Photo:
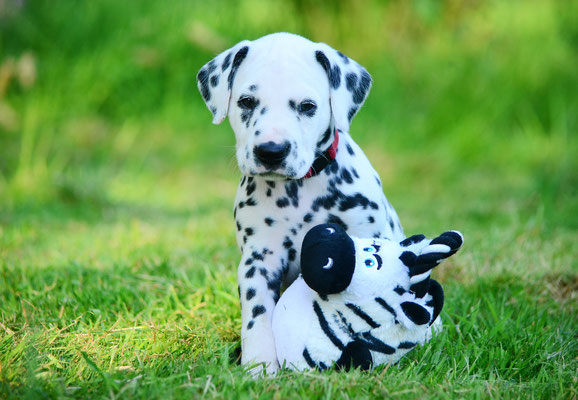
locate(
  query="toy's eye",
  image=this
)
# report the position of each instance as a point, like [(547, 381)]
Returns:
[(329, 263), (368, 249), (370, 262)]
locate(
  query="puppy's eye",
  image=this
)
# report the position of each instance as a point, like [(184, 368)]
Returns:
[(247, 102), (307, 107)]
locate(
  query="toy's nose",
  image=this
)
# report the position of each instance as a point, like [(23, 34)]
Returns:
[(272, 154), (327, 259)]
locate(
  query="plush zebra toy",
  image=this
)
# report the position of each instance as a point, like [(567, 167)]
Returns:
[(360, 302)]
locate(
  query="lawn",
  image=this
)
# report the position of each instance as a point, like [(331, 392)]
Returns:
[(117, 250)]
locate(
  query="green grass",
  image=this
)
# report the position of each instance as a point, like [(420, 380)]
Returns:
[(117, 250)]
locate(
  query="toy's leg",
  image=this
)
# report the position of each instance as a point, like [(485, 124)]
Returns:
[(427, 258), (355, 355), (437, 294)]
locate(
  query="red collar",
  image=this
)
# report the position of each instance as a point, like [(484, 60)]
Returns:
[(324, 159)]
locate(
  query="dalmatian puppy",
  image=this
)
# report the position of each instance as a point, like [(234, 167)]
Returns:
[(290, 102)]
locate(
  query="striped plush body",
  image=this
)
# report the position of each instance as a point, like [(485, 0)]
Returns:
[(360, 302)]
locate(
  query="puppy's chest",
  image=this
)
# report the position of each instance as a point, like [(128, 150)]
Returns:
[(270, 208)]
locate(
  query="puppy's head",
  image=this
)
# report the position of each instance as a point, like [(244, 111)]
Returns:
[(284, 96)]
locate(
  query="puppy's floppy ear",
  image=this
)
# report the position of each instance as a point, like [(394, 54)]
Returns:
[(349, 84), (216, 78)]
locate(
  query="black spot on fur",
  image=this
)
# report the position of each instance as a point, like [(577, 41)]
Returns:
[(325, 138), (351, 113), (407, 345), (287, 243), (226, 62), (252, 88), (351, 81), (263, 110), (333, 73), (308, 217), (292, 254), (257, 256), (349, 149), (346, 175), (264, 272), (251, 186), (203, 78), (257, 132), (239, 226), (364, 84), (258, 310), (343, 57), (357, 200), (292, 105), (334, 219), (239, 57), (251, 202), (250, 324), (292, 190), (249, 231), (214, 80), (250, 272), (333, 167), (269, 221), (371, 219), (251, 293), (282, 202)]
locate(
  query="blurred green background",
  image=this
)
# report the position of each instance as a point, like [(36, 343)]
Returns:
[(110, 169), (98, 104)]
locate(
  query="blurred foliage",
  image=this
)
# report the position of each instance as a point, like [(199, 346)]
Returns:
[(86, 86)]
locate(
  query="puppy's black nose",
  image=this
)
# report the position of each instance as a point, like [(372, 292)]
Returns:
[(272, 154)]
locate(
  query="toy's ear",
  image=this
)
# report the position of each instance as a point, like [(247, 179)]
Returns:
[(216, 78), (349, 84), (327, 259)]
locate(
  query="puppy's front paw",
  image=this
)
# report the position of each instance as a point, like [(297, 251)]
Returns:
[(259, 354), (263, 370)]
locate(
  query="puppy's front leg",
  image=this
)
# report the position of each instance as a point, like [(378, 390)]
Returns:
[(260, 275)]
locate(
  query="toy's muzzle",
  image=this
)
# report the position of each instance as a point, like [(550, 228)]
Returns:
[(327, 259)]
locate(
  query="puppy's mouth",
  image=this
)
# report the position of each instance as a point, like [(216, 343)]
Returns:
[(275, 176)]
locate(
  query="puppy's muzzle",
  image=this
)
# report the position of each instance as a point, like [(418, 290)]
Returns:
[(271, 155)]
